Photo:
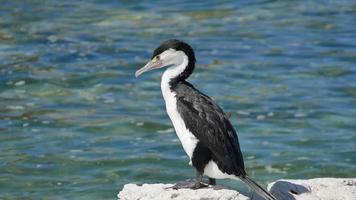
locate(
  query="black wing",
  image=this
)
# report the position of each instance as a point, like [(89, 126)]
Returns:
[(207, 121)]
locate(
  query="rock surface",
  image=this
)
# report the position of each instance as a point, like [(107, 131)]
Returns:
[(316, 189), (164, 191)]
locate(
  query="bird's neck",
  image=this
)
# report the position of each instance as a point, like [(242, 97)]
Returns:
[(173, 76)]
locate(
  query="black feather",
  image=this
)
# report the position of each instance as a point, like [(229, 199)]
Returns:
[(257, 188), (209, 124), (201, 157)]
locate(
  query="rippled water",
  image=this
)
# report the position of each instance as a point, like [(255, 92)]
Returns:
[(76, 124)]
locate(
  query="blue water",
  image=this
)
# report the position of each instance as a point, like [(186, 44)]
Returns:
[(76, 124)]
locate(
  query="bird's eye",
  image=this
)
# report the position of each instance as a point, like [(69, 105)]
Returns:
[(157, 57)]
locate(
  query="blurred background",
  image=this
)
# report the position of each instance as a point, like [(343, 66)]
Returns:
[(76, 124)]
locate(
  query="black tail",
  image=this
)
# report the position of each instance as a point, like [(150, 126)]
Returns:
[(257, 188)]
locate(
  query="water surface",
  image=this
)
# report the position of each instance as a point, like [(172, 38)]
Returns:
[(76, 124)]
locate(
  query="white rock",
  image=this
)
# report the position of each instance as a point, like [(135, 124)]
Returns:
[(163, 192), (314, 189)]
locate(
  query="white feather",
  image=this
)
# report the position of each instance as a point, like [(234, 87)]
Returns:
[(188, 140), (212, 170)]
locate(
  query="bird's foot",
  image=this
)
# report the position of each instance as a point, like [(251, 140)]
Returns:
[(189, 185)]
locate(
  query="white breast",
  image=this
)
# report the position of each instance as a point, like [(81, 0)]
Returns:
[(188, 140)]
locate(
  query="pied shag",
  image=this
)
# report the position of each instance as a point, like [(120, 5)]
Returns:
[(206, 134)]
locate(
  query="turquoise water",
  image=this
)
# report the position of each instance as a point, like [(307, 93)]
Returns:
[(76, 124)]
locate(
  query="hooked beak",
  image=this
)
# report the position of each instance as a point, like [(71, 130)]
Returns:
[(152, 64)]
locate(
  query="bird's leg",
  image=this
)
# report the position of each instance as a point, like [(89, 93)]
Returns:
[(212, 181), (192, 185), (199, 180)]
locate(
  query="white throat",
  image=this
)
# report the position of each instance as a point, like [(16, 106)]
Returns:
[(171, 73)]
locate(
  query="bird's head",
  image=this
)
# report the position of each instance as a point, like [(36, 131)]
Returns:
[(174, 54)]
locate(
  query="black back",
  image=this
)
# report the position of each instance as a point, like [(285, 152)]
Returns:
[(178, 46), (207, 121)]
